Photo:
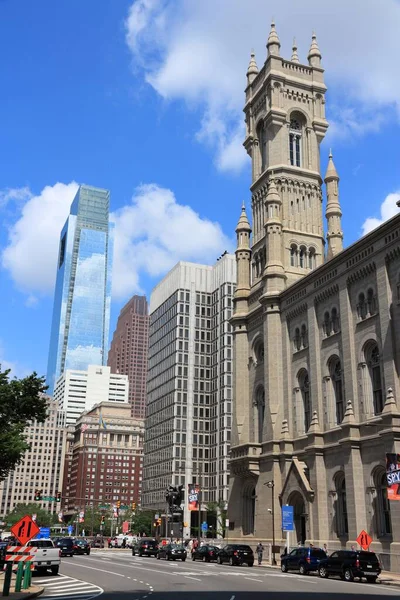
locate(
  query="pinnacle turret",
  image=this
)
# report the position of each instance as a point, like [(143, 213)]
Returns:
[(314, 54), (243, 223), (252, 71), (331, 172), (333, 211), (295, 56), (273, 43)]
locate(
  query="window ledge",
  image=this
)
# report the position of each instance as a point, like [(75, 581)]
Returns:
[(332, 335), (368, 318), (300, 350)]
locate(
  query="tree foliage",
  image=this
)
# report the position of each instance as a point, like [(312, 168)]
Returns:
[(43, 518), (20, 403)]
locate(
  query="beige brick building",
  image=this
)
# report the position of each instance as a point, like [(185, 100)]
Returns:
[(316, 333)]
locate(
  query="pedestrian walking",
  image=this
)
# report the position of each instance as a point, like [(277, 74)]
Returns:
[(325, 549), (260, 550)]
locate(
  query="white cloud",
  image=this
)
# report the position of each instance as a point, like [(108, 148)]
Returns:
[(82, 356), (388, 209), (31, 253), (198, 52), (14, 194), (152, 233)]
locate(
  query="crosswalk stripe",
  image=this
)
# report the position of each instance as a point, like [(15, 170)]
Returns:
[(58, 595)]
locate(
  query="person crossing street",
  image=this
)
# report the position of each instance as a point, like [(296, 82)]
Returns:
[(260, 550)]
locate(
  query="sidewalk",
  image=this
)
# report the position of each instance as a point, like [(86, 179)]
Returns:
[(385, 578), (32, 592)]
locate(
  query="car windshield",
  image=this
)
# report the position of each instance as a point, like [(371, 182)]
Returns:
[(245, 548), (177, 546), (318, 553)]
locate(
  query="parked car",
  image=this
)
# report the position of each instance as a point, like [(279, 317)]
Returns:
[(97, 542), (172, 552), (66, 546), (236, 554), (302, 559), (145, 547), (206, 553), (348, 564), (81, 546), (46, 556)]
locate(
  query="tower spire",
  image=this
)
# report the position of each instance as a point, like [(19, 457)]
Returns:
[(273, 43), (333, 211), (314, 54), (252, 70), (243, 259), (295, 56)]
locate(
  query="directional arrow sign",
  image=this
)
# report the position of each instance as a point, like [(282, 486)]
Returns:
[(25, 529)]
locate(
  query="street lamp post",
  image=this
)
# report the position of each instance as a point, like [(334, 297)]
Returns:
[(271, 485)]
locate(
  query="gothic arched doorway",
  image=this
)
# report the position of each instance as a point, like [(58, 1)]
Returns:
[(300, 517)]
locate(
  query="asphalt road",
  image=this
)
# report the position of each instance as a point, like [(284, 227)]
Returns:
[(124, 577)]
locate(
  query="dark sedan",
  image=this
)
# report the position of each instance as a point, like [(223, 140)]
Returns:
[(302, 559), (172, 552), (66, 546), (81, 547), (236, 554), (205, 553)]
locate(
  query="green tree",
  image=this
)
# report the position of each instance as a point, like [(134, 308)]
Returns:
[(219, 513), (43, 518), (142, 521), (20, 403)]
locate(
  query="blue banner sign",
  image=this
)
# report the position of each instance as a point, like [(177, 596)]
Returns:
[(287, 518)]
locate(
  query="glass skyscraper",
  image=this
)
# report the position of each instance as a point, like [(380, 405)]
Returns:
[(81, 313)]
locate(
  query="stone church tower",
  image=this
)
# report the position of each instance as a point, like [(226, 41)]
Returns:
[(293, 365)]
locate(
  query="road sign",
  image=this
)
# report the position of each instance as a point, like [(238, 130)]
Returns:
[(364, 540), (44, 532), (287, 518), (48, 498), (204, 526), (70, 529), (25, 529)]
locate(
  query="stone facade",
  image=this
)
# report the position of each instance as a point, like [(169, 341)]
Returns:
[(316, 333)]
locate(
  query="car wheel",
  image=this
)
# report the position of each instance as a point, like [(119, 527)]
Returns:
[(284, 568), (183, 559), (250, 564), (322, 572), (193, 557), (88, 552), (133, 553), (371, 579), (219, 561), (231, 561), (348, 575), (204, 558), (303, 570), (54, 570)]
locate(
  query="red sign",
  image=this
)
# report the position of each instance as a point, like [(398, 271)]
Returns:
[(364, 540), (125, 526), (193, 496), (25, 529)]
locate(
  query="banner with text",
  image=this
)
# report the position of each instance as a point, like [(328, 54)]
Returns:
[(193, 496), (393, 475)]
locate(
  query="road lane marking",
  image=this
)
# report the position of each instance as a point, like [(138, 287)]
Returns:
[(233, 598), (93, 568), (252, 579), (188, 577)]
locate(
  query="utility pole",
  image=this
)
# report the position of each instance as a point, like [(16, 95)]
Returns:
[(271, 485), (199, 497)]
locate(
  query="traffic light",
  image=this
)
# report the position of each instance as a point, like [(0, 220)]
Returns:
[(58, 497), (38, 495), (103, 519), (118, 504), (158, 521), (133, 505)]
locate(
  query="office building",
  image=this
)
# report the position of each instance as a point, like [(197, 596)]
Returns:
[(42, 466), (316, 333), (189, 394), (81, 311), (79, 391), (129, 349), (106, 458)]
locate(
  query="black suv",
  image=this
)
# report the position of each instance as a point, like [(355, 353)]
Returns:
[(66, 546), (81, 547), (302, 559), (348, 564), (145, 547), (236, 554)]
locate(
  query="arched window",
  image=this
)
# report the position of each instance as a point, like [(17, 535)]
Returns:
[(327, 324), (262, 140), (259, 351), (342, 526), (382, 506), (304, 336), (337, 383), (260, 414), (371, 303), (297, 340), (335, 320), (361, 306), (374, 366), (293, 255), (311, 258), (304, 385), (302, 257), (249, 509), (295, 142)]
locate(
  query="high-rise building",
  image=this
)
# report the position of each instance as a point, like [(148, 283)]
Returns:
[(189, 393), (106, 458), (42, 466), (81, 312), (316, 333), (78, 391), (129, 349)]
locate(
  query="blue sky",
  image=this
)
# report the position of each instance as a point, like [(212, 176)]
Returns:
[(144, 98)]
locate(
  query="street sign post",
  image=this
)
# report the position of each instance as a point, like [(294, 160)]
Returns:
[(364, 540), (287, 518), (204, 526), (25, 529)]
